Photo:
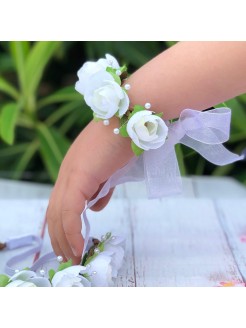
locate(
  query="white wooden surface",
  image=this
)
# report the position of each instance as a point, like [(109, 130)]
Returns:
[(193, 239)]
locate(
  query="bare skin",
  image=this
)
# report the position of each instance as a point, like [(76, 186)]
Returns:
[(193, 75)]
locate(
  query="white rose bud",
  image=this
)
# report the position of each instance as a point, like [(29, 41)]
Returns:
[(27, 278), (105, 96), (100, 270), (70, 277), (147, 131), (90, 68)]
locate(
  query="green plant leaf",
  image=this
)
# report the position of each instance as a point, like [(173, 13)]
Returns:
[(80, 117), (7, 88), (8, 120), (137, 150), (63, 95), (36, 62), (53, 147), (123, 131), (116, 77), (170, 43), (180, 158), (62, 111), (4, 280), (65, 265), (24, 160), (51, 273), (158, 114), (19, 51)]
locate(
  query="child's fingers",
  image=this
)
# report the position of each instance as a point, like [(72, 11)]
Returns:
[(71, 209), (101, 203)]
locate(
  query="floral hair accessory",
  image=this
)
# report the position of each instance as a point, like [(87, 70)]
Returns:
[(99, 265), (102, 85)]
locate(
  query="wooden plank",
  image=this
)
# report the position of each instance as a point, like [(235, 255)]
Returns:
[(23, 190), (19, 217), (218, 187), (180, 243), (232, 215)]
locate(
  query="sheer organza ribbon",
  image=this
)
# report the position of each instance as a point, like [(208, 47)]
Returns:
[(202, 131)]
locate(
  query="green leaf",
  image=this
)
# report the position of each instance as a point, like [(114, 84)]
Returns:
[(8, 118), (24, 160), (36, 62), (137, 150), (84, 259), (123, 68), (7, 88), (136, 108), (158, 114), (95, 118), (65, 265), (180, 158), (19, 51), (53, 147), (51, 273), (62, 111), (63, 95), (170, 43), (123, 131), (115, 76), (4, 280)]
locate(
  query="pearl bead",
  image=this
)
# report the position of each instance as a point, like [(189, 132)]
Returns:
[(113, 237), (97, 250), (118, 72), (147, 105), (94, 272), (127, 87), (17, 271), (42, 272), (116, 131), (59, 258), (106, 122)]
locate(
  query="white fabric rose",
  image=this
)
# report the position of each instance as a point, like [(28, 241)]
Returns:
[(114, 247), (90, 68), (100, 270), (27, 278), (147, 131), (70, 277), (105, 96)]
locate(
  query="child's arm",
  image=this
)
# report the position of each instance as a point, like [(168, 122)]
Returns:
[(194, 75)]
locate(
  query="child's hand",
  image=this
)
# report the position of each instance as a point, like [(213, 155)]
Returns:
[(93, 157)]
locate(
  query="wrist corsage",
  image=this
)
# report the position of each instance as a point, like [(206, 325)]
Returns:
[(103, 85)]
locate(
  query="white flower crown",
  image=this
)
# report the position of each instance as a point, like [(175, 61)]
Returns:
[(103, 86), (98, 268)]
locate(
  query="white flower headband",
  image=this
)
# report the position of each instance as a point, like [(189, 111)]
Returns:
[(102, 85)]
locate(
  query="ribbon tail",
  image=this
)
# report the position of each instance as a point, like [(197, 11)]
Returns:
[(162, 173), (216, 153)]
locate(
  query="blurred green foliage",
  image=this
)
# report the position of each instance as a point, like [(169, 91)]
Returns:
[(41, 113)]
